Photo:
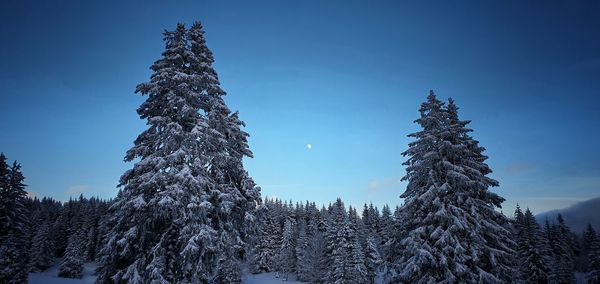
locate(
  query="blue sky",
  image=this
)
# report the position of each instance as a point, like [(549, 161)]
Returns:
[(345, 76)]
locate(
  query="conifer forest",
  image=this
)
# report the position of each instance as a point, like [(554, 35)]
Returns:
[(192, 204)]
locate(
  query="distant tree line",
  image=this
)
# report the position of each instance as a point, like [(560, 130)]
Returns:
[(300, 239), (326, 245), (36, 232)]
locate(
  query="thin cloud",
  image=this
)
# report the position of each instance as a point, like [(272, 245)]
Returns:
[(377, 185), (75, 189)]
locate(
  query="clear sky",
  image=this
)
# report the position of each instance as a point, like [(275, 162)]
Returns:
[(344, 76)]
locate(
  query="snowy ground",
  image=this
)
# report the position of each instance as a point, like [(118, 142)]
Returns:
[(267, 278), (50, 276)]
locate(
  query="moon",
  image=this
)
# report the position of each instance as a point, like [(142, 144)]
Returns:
[(309, 146)]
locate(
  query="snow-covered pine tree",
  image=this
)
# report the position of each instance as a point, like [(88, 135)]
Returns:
[(496, 249), (372, 258), (593, 255), (235, 195), (72, 263), (268, 245), (367, 220), (589, 236), (304, 266), (287, 255), (6, 208), (315, 220), (42, 211), (91, 221), (264, 252), (338, 273), (143, 243), (413, 258), (356, 269), (519, 220), (102, 229), (41, 252), (337, 253), (560, 243), (186, 207), (532, 249), (60, 231), (370, 216), (451, 230), (385, 231), (317, 246), (14, 262)]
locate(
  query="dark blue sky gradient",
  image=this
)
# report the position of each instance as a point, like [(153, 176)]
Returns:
[(346, 76)]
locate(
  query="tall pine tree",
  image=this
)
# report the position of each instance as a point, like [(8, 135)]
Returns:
[(533, 252), (14, 262), (41, 252), (72, 263), (287, 255), (373, 258), (357, 271), (451, 230), (303, 258), (561, 245), (186, 207)]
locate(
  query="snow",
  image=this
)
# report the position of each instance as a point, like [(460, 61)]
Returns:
[(268, 278), (50, 276)]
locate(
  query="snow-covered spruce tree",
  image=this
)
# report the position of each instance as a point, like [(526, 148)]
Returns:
[(6, 207), (60, 231), (588, 238), (102, 229), (235, 195), (561, 245), (385, 231), (532, 249), (593, 255), (264, 253), (371, 220), (357, 271), (185, 208), (451, 230), (337, 255), (370, 216), (72, 263), (519, 220), (14, 262), (316, 248), (287, 255), (142, 245), (91, 222), (372, 258), (304, 265), (41, 252), (367, 220)]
